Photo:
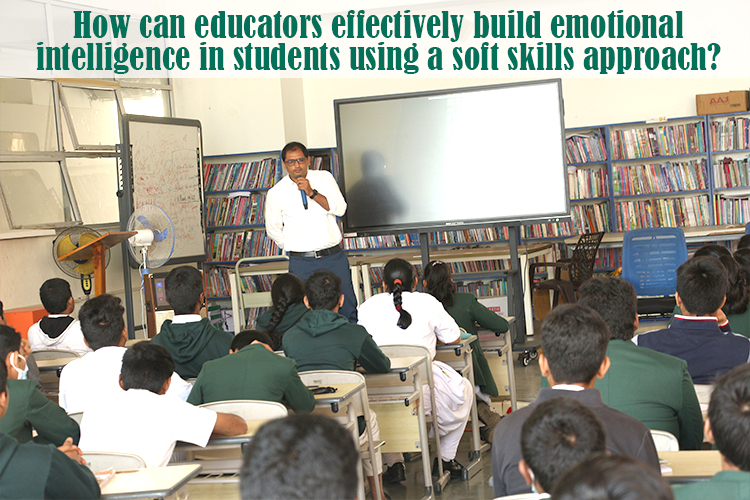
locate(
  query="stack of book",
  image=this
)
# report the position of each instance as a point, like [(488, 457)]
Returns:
[(239, 176), (668, 177), (650, 142)]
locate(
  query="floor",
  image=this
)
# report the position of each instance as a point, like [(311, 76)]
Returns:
[(477, 488)]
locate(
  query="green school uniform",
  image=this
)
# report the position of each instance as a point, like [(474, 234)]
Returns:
[(192, 344), (726, 485)]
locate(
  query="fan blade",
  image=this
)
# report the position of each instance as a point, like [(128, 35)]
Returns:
[(161, 235), (65, 246), (86, 238), (145, 222), (85, 268)]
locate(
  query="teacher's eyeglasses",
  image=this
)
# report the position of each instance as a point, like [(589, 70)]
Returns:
[(298, 161)]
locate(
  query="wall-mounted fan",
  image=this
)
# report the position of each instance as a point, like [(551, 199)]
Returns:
[(153, 245), (67, 241)]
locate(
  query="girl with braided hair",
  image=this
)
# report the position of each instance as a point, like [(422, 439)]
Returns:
[(287, 294), (402, 316)]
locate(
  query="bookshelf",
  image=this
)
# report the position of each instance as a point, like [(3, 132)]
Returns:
[(730, 150)]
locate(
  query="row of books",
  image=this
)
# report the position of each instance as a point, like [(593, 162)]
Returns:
[(730, 134), (436, 238), (326, 162), (584, 148), (670, 212), (668, 177), (587, 183), (608, 258), (666, 140), (236, 210), (238, 176), (731, 210), (384, 241), (731, 173), (217, 282), (493, 288), (224, 247), (548, 230)]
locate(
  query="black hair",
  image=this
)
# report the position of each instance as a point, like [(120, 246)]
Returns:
[(574, 341), (300, 457), (3, 378), (742, 256), (737, 292), (398, 277), (102, 321), (2, 311), (323, 290), (10, 341), (55, 294), (437, 276), (702, 284), (611, 477), (146, 365), (294, 146), (729, 416), (616, 302), (744, 242), (286, 290), (183, 286), (558, 435), (247, 337)]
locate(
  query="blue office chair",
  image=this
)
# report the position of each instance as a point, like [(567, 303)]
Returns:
[(747, 228), (650, 258)]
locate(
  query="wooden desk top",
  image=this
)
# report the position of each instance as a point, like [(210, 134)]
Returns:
[(153, 482), (48, 365), (461, 344), (402, 365), (691, 465), (344, 392), (692, 235), (496, 251)]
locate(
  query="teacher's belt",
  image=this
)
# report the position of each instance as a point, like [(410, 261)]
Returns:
[(318, 253)]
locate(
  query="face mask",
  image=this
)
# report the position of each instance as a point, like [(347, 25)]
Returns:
[(533, 482), (22, 374)]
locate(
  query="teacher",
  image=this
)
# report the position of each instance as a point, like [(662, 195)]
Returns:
[(301, 211)]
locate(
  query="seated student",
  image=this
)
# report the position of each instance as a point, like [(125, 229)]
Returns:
[(742, 321), (574, 345), (695, 335), (142, 419), (29, 409), (25, 350), (325, 340), (190, 339), (558, 435), (300, 457), (252, 371), (727, 426), (83, 381), (744, 242), (401, 316), (468, 311), (40, 471), (652, 387), (57, 330), (287, 294), (616, 477)]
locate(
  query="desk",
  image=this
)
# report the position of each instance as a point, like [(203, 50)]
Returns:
[(54, 364), (698, 234), (497, 350), (691, 465), (153, 482)]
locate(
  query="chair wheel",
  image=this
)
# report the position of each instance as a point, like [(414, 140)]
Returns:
[(533, 354), (525, 359)]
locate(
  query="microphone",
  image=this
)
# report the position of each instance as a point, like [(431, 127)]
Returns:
[(304, 198)]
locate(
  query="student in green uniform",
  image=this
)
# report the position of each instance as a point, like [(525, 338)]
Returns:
[(252, 371), (742, 321), (40, 471), (467, 311), (727, 426), (190, 339), (287, 295), (28, 406)]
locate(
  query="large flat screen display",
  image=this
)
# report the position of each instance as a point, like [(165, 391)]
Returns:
[(453, 158)]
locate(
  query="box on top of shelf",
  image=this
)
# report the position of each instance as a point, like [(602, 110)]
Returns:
[(722, 102)]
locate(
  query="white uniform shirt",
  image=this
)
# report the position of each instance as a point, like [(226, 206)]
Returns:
[(85, 381), (295, 229), (429, 320), (145, 424), (69, 340)]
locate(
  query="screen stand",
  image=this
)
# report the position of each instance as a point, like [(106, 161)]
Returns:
[(515, 288), (424, 248)]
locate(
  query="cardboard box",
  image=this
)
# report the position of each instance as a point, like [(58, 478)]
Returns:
[(723, 102)]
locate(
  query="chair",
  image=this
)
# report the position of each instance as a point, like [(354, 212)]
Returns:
[(665, 441), (747, 228), (54, 354), (650, 258), (77, 416), (703, 391), (102, 460), (580, 267), (249, 409)]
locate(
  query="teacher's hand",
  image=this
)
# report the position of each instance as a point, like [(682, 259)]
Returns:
[(304, 185)]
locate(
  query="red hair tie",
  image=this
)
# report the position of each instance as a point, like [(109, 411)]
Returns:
[(397, 281), (398, 308)]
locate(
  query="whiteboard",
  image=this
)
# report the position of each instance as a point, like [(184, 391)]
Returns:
[(162, 166)]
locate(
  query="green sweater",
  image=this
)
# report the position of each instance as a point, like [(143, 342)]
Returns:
[(27, 408), (253, 372), (325, 340), (726, 485), (192, 344), (468, 311), (291, 317)]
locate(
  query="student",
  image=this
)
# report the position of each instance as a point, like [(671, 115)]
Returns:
[(742, 321), (574, 345), (29, 409), (142, 419), (33, 373), (252, 371), (190, 339), (325, 340), (468, 311), (558, 435), (727, 426), (401, 316), (652, 387), (84, 381), (695, 335), (616, 477), (300, 457), (58, 330), (40, 471), (744, 242), (287, 294)]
